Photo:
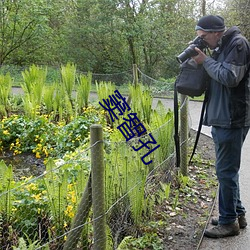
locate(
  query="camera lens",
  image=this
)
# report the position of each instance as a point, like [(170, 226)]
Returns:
[(187, 53), (190, 51)]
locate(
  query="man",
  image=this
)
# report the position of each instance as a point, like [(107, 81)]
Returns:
[(228, 112)]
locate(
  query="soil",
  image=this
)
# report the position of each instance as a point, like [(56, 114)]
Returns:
[(187, 222), (25, 164)]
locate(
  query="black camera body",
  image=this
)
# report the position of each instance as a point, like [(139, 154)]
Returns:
[(190, 51)]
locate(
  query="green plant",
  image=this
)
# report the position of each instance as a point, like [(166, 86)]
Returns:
[(43, 137), (62, 104), (48, 98), (23, 134), (147, 241), (56, 188), (162, 125), (104, 89), (6, 184), (28, 244), (5, 90), (62, 185), (34, 81), (83, 91), (30, 208), (65, 181), (23, 246), (176, 199), (125, 178), (164, 191), (58, 102), (68, 74), (141, 102), (136, 179), (184, 181)]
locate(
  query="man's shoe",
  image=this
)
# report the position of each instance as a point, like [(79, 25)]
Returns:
[(221, 231), (241, 219)]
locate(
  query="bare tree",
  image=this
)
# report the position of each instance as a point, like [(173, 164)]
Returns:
[(20, 22)]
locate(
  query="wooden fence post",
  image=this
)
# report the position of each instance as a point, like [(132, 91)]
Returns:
[(135, 74), (98, 195)]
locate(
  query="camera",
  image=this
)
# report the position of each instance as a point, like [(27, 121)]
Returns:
[(190, 51)]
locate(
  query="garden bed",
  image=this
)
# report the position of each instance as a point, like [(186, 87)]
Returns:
[(178, 222), (186, 224)]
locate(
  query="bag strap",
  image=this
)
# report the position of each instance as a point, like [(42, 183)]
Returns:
[(199, 127), (176, 126)]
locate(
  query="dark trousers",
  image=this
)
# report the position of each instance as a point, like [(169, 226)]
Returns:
[(228, 145)]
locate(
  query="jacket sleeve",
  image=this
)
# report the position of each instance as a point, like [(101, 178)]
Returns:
[(234, 66)]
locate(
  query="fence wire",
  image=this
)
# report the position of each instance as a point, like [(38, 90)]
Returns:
[(39, 213)]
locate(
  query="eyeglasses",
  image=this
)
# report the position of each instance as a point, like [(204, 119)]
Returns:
[(203, 36)]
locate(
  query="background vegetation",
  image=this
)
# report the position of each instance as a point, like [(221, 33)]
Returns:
[(97, 36), (103, 36)]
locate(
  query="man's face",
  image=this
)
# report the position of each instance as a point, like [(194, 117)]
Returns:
[(211, 38)]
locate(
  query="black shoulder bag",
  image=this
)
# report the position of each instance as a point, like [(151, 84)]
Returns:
[(191, 81)]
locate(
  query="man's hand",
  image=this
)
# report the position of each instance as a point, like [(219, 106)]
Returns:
[(200, 58)]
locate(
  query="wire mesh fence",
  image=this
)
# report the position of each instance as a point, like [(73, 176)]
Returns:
[(56, 209)]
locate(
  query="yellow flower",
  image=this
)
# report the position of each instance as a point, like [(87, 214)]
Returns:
[(45, 151), (31, 187), (6, 132), (38, 156), (14, 209), (73, 199), (69, 211), (16, 152), (37, 196)]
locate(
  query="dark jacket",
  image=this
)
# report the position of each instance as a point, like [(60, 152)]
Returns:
[(228, 103)]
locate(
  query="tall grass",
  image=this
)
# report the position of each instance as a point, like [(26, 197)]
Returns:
[(33, 86), (5, 90), (162, 123), (48, 98), (104, 89), (125, 176), (83, 91), (141, 102), (68, 74), (6, 197)]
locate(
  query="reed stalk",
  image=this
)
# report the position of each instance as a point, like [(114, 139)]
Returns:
[(68, 74), (33, 86), (83, 91), (5, 90)]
